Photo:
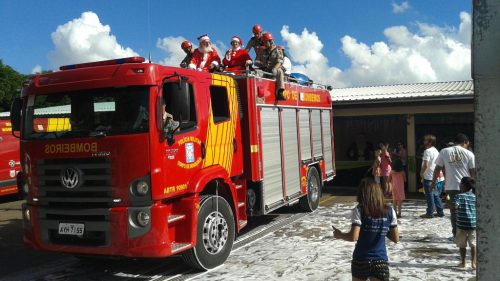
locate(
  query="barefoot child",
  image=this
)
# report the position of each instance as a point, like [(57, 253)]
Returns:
[(465, 208), (372, 221), (397, 180)]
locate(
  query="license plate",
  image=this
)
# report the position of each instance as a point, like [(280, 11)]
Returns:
[(71, 228)]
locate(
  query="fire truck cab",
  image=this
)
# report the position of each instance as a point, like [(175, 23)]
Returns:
[(9, 157), (145, 160)]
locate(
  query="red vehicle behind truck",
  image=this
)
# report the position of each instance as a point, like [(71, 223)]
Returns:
[(114, 177), (9, 157)]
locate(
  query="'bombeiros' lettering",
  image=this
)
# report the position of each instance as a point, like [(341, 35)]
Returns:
[(71, 148)]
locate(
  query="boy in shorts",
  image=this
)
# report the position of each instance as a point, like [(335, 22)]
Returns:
[(465, 208)]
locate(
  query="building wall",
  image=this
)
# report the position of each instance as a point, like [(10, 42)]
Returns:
[(406, 123)]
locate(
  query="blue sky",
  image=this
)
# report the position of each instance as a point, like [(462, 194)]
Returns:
[(26, 27)]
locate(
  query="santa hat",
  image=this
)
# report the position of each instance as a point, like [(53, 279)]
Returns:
[(236, 38), (203, 37)]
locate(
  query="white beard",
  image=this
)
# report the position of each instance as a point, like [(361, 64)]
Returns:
[(205, 50)]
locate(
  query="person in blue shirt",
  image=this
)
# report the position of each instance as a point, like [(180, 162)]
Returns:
[(372, 222), (465, 210)]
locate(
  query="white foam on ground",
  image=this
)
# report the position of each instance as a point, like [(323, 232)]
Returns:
[(306, 250)]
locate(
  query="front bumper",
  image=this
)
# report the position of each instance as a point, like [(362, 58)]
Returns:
[(112, 232)]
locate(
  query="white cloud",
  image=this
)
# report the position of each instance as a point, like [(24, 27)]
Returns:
[(400, 8), (36, 69), (305, 51), (85, 39), (432, 53), (172, 46)]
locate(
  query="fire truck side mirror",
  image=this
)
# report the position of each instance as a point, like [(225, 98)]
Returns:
[(15, 114)]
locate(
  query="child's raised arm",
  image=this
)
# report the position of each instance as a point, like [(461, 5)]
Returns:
[(350, 236)]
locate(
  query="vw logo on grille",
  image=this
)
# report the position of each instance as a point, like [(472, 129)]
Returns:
[(70, 178)]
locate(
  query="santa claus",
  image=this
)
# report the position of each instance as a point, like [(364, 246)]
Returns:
[(205, 58), (237, 58)]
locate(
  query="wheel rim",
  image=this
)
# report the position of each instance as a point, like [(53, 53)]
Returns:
[(215, 233), (313, 188)]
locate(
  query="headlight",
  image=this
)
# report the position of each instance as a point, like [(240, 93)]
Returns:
[(142, 188), (27, 214), (143, 218)]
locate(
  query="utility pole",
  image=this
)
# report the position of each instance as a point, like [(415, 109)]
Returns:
[(486, 75)]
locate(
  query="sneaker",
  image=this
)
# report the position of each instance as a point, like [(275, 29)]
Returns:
[(439, 215), (426, 216), (451, 239)]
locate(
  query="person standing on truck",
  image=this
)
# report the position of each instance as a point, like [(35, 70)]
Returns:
[(205, 57), (236, 59), (257, 45), (187, 47), (273, 63)]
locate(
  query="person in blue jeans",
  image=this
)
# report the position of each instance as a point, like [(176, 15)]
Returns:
[(426, 172), (372, 222)]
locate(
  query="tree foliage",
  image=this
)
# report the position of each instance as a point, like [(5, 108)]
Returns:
[(10, 84)]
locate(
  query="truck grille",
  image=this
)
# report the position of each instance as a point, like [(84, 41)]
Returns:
[(87, 203), (93, 190)]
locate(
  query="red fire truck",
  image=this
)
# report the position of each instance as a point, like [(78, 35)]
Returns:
[(9, 157), (147, 160)]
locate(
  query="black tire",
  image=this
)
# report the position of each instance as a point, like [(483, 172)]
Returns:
[(310, 202), (212, 247)]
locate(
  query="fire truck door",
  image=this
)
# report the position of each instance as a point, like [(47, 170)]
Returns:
[(183, 157)]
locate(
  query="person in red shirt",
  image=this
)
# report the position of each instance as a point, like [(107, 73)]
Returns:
[(385, 165), (237, 58), (205, 57)]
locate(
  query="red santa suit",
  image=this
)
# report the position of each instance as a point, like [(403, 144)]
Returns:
[(235, 60), (203, 58)]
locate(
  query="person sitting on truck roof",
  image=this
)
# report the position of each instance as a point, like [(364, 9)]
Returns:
[(205, 57), (236, 59), (187, 47), (273, 62), (257, 44), (287, 63)]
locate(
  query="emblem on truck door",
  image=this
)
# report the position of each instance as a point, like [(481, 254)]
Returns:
[(70, 178)]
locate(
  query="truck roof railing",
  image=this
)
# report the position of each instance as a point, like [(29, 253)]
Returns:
[(255, 72), (104, 62)]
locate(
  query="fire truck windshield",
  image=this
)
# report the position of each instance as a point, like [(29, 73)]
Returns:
[(90, 113)]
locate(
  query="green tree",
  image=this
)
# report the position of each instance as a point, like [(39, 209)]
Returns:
[(10, 84)]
